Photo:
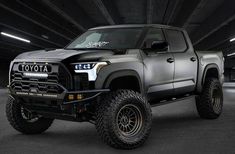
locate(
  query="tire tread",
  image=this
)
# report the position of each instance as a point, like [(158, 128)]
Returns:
[(107, 106), (12, 113), (203, 102)]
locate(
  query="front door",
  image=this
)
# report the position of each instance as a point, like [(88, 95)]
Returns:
[(159, 69)]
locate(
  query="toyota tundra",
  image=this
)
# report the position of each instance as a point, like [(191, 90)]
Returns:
[(111, 76)]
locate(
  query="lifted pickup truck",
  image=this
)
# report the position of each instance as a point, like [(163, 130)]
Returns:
[(111, 76)]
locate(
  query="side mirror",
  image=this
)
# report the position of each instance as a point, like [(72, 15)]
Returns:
[(160, 45)]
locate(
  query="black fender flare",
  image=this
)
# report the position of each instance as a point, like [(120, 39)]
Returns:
[(209, 66), (124, 73)]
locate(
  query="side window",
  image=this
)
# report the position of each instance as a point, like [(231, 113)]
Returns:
[(154, 34), (176, 41)]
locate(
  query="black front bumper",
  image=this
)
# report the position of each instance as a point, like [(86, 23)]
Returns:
[(87, 95)]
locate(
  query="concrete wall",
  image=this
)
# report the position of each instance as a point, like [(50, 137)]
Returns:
[(4, 66), (229, 72)]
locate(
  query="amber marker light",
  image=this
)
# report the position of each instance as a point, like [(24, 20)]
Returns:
[(70, 97), (79, 96)]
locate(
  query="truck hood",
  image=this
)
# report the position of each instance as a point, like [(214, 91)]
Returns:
[(62, 54)]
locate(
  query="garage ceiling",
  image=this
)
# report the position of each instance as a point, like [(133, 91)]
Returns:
[(54, 23)]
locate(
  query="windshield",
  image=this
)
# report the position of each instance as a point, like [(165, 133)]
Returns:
[(110, 38)]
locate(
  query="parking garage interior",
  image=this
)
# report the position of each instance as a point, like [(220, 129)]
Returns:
[(49, 24)]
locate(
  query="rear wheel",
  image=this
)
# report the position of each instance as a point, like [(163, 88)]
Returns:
[(210, 102), (124, 119), (25, 121)]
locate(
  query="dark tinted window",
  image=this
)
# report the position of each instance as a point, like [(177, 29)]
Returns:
[(154, 34), (176, 41)]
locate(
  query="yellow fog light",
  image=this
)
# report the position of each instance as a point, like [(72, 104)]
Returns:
[(71, 97), (79, 96)]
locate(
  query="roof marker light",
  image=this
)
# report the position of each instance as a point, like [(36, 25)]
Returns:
[(15, 37)]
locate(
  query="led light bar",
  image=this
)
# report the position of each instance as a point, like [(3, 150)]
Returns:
[(233, 39), (15, 37), (40, 75)]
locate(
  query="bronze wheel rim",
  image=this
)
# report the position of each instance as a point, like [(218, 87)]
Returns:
[(216, 100), (28, 116), (129, 120)]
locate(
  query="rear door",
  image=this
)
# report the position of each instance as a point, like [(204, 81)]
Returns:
[(185, 62)]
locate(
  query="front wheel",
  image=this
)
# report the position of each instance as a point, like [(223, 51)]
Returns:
[(25, 121), (210, 102), (124, 119)]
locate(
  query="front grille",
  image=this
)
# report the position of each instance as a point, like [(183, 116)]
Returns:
[(59, 75), (25, 84)]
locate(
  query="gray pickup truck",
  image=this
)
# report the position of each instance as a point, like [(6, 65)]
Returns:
[(111, 76)]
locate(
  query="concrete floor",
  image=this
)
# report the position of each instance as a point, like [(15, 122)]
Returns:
[(176, 129)]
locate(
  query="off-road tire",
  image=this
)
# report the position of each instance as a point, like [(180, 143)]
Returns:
[(108, 111), (210, 102), (14, 116)]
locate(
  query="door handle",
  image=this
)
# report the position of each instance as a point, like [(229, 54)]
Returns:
[(193, 59), (170, 60)]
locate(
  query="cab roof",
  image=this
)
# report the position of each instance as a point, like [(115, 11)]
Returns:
[(138, 25)]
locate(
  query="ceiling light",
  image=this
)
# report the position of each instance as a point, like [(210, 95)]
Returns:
[(45, 36), (233, 39), (231, 54), (15, 37)]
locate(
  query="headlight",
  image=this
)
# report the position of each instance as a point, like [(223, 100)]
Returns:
[(91, 68), (84, 66)]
